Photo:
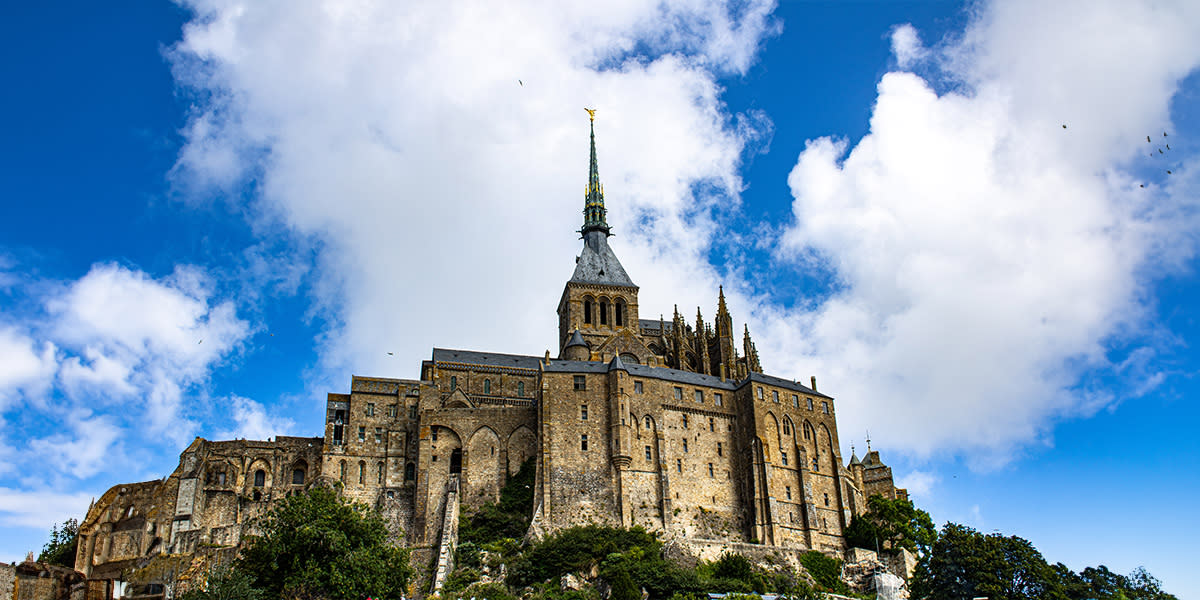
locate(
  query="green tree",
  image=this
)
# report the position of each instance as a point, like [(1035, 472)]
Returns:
[(60, 550), (892, 524), (319, 545), (225, 583), (964, 563)]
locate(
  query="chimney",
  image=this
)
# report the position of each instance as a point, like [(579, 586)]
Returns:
[(814, 383)]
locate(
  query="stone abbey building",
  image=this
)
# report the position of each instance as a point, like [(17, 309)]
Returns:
[(670, 425)]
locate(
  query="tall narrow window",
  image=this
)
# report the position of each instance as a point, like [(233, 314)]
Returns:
[(760, 393), (487, 386), (342, 471), (378, 435), (783, 455), (583, 412), (379, 472), (699, 396), (775, 396), (637, 387), (583, 442), (809, 403), (679, 465), (816, 465), (604, 312), (647, 452), (391, 410), (260, 478), (796, 401), (719, 449), (685, 445), (433, 433), (825, 407), (362, 434), (587, 312), (521, 389), (710, 470), (788, 489), (619, 312), (826, 499), (718, 400), (412, 411), (370, 409), (649, 423), (453, 383), (685, 421), (362, 472), (787, 427), (712, 425), (410, 472)]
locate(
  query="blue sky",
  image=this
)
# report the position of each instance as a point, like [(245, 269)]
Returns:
[(214, 213)]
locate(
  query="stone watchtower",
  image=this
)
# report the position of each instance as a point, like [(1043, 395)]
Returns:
[(599, 301)]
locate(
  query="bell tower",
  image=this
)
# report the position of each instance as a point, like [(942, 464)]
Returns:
[(599, 301)]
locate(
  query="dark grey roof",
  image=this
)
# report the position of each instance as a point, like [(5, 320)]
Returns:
[(598, 264), (491, 359), (616, 365), (783, 383), (653, 324), (854, 459), (576, 340)]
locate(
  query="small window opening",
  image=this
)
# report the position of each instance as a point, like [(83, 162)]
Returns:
[(619, 312), (521, 389), (678, 393), (603, 312), (379, 473), (649, 423), (712, 424), (362, 472), (637, 387), (583, 442), (580, 383), (487, 386), (788, 489), (453, 382), (297, 476), (710, 470), (685, 445), (719, 449), (370, 409), (647, 452), (679, 465), (583, 412), (410, 472), (260, 478), (587, 312), (718, 400)]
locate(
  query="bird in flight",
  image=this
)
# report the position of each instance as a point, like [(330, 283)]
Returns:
[(1147, 139), (1064, 125), (521, 82), (389, 354)]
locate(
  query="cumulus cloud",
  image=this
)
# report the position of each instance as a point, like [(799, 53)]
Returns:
[(989, 242), (26, 367), (906, 46), (137, 336), (439, 154), (251, 421)]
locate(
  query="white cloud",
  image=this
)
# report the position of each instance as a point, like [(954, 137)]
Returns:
[(253, 423), (26, 367), (906, 46), (918, 483), (443, 190), (986, 255), (84, 445), (39, 508), (145, 337)]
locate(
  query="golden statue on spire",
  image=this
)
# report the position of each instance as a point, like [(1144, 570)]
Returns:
[(591, 114)]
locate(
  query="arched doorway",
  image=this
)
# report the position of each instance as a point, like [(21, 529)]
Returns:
[(456, 461)]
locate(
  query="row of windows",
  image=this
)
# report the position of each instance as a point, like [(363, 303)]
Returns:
[(362, 434), (603, 316), (410, 473), (487, 386), (795, 400)]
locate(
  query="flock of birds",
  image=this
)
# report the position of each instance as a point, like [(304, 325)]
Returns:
[(1165, 146)]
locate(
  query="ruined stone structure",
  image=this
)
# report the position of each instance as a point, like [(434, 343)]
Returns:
[(662, 424)]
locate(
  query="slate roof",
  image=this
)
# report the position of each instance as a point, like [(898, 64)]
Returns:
[(598, 264), (576, 340), (491, 359)]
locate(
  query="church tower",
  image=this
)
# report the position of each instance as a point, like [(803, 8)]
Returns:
[(599, 301)]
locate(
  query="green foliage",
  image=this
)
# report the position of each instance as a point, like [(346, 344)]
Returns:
[(60, 550), (225, 583), (966, 563), (459, 579), (891, 524), (467, 555), (508, 518), (825, 571), (317, 544)]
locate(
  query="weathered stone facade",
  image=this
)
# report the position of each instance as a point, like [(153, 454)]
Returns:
[(635, 422)]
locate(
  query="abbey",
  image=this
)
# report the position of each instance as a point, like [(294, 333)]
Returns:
[(669, 425)]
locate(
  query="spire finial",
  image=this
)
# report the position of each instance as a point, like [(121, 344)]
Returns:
[(868, 440), (594, 212)]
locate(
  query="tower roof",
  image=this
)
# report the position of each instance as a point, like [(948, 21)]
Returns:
[(576, 340), (597, 263)]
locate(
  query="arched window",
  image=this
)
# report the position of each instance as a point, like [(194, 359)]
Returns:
[(362, 472), (604, 312), (521, 388), (410, 472), (260, 478), (453, 383), (487, 386), (587, 311), (619, 312), (787, 427), (298, 475)]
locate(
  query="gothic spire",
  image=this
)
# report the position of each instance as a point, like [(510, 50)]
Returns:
[(594, 212)]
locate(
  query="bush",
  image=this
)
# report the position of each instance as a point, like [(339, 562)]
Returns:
[(225, 583), (825, 571), (507, 518)]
